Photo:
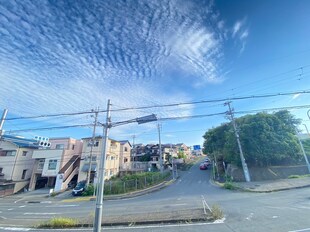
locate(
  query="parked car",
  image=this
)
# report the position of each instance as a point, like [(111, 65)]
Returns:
[(203, 166), (207, 160), (79, 188)]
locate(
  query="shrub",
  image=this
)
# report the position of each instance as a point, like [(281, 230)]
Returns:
[(59, 222), (216, 212), (89, 190), (229, 185), (293, 176)]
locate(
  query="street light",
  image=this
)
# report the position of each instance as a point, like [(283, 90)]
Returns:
[(106, 127)]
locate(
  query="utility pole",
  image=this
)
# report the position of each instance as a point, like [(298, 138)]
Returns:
[(99, 199), (5, 112), (244, 165), (303, 150), (172, 161), (160, 152), (133, 153), (91, 149), (307, 129)]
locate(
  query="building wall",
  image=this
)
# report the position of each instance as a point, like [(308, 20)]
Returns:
[(125, 151), (23, 163), (13, 167), (7, 162), (111, 162)]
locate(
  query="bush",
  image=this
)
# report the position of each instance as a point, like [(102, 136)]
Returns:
[(59, 222), (216, 212), (89, 190), (293, 176), (229, 185)]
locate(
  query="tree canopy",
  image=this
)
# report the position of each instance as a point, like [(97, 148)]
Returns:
[(266, 139)]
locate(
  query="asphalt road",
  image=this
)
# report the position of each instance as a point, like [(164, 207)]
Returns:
[(278, 211)]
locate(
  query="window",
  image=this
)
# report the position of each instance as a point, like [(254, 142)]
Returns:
[(111, 172), (112, 157), (125, 160), (41, 164), (73, 146), (24, 174), (60, 146), (1, 169), (125, 149), (106, 173), (25, 153), (96, 143), (7, 153), (52, 164)]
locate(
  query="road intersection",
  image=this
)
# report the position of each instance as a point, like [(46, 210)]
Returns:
[(244, 211)]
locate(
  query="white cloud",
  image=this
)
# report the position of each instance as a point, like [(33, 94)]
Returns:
[(236, 28), (55, 58), (296, 96)]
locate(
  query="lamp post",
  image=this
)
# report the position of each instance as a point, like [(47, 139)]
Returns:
[(106, 127)]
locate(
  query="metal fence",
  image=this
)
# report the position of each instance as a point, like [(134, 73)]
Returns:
[(125, 186)]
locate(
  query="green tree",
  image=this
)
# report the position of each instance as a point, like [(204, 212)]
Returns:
[(266, 139)]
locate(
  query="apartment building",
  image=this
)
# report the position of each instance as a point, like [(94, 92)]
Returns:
[(57, 165), (93, 149), (16, 163), (125, 155)]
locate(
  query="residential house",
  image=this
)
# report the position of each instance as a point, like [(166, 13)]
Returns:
[(182, 148), (57, 165), (93, 149), (125, 152), (16, 163)]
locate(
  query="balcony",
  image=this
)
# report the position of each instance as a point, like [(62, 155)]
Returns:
[(47, 153)]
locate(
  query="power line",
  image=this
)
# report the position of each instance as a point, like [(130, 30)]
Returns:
[(177, 118), (169, 105), (217, 100), (50, 128)]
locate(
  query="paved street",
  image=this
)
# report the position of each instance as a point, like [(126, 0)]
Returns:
[(278, 211)]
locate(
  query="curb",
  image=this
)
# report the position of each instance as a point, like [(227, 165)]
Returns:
[(258, 191), (274, 190)]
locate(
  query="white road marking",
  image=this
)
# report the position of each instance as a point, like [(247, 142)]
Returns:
[(3, 217), (46, 202), (179, 204), (275, 216), (22, 206), (145, 227), (60, 206), (41, 213), (10, 209), (18, 200), (307, 229), (15, 228), (0, 211)]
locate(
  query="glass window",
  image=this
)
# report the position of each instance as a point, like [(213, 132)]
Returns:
[(111, 172), (25, 153), (60, 146), (7, 153), (125, 149), (24, 174), (52, 164), (73, 146)]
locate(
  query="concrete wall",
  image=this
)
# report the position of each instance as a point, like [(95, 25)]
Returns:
[(267, 173)]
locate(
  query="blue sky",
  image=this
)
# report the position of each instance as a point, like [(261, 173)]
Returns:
[(71, 56)]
